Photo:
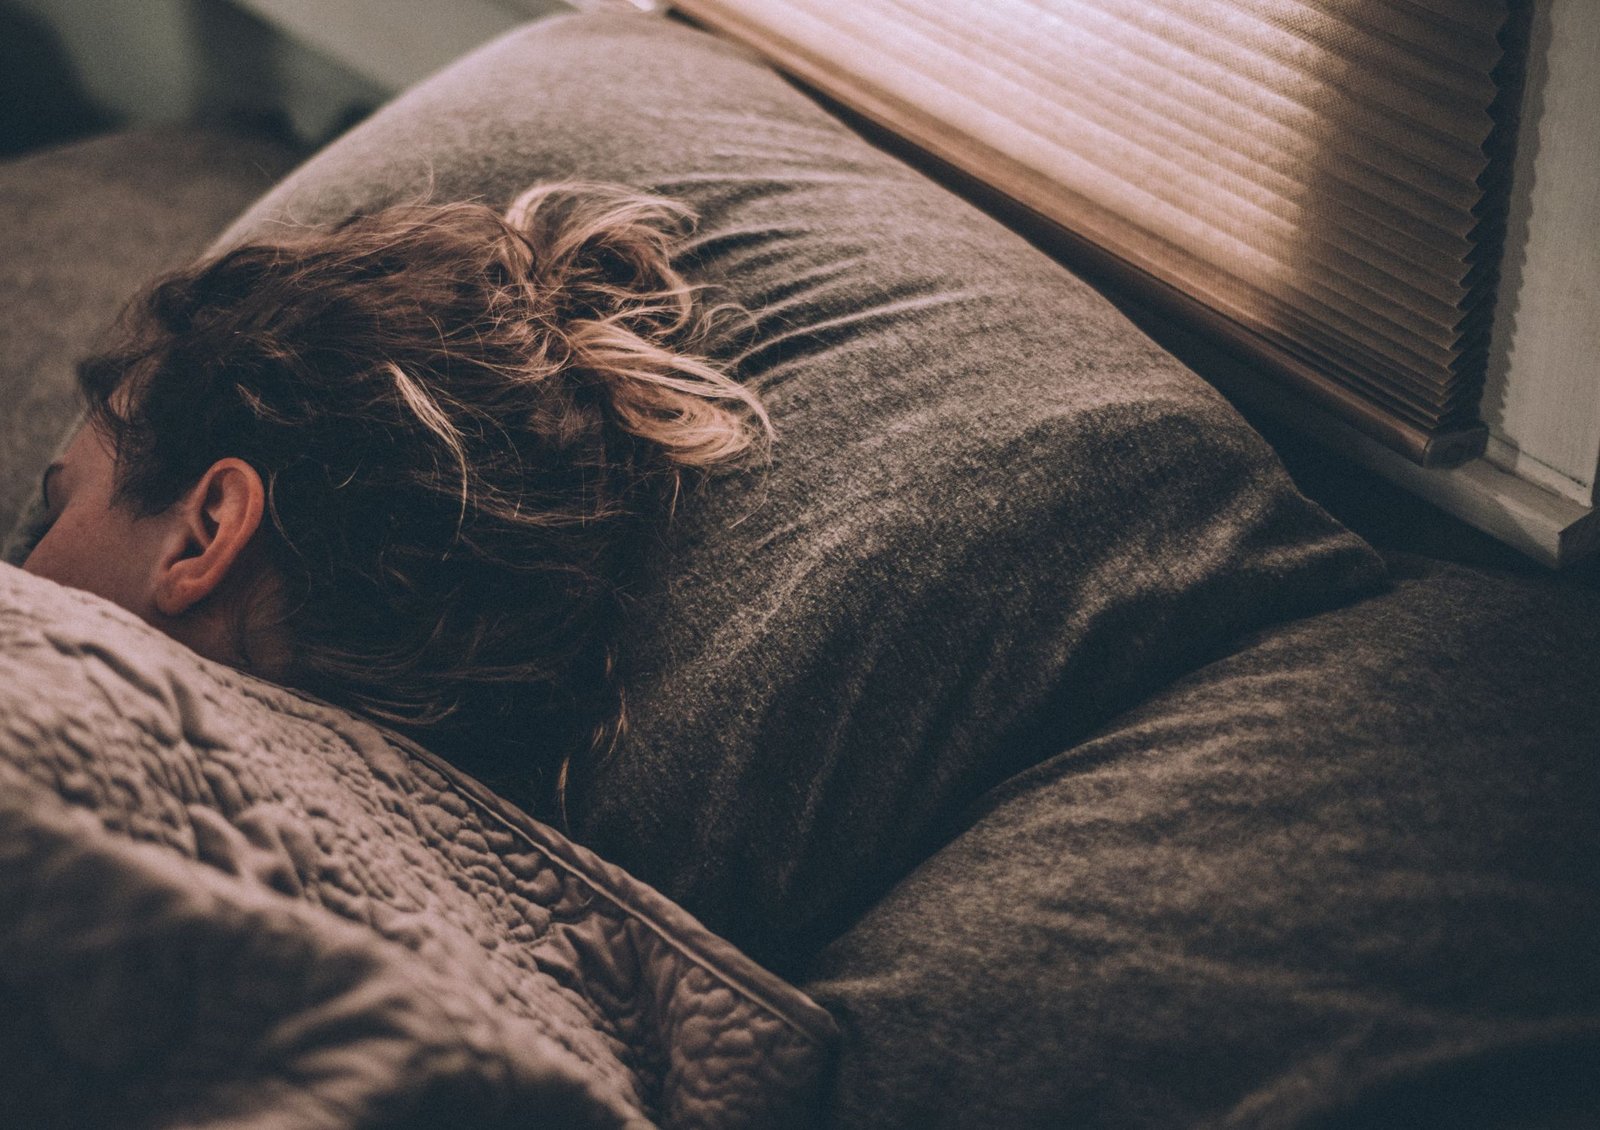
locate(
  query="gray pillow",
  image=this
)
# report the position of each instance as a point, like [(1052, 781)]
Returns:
[(997, 513), (1344, 878)]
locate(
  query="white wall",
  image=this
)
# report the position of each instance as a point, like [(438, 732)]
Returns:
[(128, 57), (165, 61), (394, 43), (1542, 400)]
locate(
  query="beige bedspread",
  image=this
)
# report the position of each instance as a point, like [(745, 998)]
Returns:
[(222, 904)]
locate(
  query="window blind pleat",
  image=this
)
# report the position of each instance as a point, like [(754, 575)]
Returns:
[(1312, 172), (1282, 57)]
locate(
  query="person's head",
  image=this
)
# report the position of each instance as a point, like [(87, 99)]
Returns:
[(404, 463)]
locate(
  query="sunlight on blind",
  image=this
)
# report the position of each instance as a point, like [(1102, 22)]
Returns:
[(1312, 171)]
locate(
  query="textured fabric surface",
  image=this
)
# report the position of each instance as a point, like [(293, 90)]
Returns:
[(142, 989), (221, 900), (1346, 877), (997, 513), (86, 225)]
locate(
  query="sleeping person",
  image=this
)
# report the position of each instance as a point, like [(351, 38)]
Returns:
[(409, 464)]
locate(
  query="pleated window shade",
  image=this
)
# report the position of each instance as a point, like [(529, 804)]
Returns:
[(1319, 181)]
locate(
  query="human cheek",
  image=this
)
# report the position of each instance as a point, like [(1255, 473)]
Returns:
[(59, 555), (82, 553), (46, 558)]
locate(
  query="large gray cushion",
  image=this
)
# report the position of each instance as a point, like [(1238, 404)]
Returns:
[(997, 513), (1348, 877)]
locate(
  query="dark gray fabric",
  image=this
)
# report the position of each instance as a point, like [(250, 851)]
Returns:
[(1348, 876), (997, 513), (84, 226)]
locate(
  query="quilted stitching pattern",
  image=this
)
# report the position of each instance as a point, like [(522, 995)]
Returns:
[(166, 748), (140, 988)]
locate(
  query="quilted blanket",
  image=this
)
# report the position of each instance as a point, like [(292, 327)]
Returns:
[(224, 904)]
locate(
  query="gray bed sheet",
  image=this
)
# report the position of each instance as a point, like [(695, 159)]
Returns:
[(1348, 876)]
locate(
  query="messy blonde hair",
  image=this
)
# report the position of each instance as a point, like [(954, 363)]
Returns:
[(466, 422)]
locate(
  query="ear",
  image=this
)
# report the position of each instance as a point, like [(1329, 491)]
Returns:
[(212, 525)]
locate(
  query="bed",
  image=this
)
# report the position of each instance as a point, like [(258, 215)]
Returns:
[(1021, 747)]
